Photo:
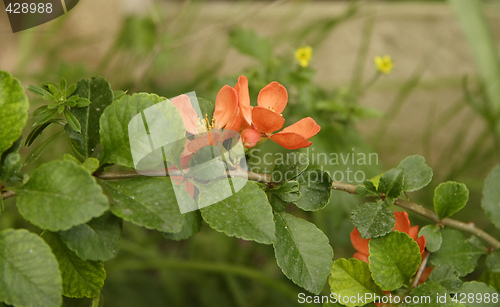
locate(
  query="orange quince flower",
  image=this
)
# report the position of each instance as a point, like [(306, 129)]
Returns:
[(234, 112), (402, 225), (227, 111), (267, 118)]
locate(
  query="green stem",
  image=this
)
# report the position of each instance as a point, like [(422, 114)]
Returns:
[(7, 194), (95, 300), (349, 188), (418, 209)]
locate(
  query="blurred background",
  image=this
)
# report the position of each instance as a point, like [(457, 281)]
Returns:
[(441, 100)]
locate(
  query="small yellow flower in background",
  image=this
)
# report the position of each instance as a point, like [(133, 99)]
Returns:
[(384, 63), (304, 55)]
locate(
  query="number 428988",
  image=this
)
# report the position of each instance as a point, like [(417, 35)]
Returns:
[(29, 8)]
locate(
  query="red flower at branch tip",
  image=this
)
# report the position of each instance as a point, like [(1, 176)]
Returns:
[(402, 225)]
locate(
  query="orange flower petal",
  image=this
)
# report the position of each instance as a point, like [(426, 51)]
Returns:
[(188, 114), (306, 127), (425, 274), (266, 121), (226, 112), (361, 257), (421, 243), (290, 140), (402, 221), (250, 137), (244, 100), (360, 244), (413, 233), (273, 96), (189, 188)]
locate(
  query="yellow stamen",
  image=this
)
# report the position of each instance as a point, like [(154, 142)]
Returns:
[(204, 125)]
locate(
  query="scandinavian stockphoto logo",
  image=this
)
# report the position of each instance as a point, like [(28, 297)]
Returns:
[(27, 14), (175, 138)]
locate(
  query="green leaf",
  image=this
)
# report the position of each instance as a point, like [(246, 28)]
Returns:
[(457, 251), (44, 116), (473, 294), (29, 270), (79, 278), (491, 197), (146, 201), (391, 183), (302, 252), (63, 84), (447, 276), (367, 189), (39, 129), (246, 214), (288, 192), (54, 105), (449, 198), (11, 169), (73, 121), (114, 129), (373, 219), (10, 165), (97, 240), (99, 92), (277, 203), (394, 259), (353, 278), (247, 42), (191, 225), (478, 244), (91, 164), (40, 91), (430, 294), (13, 110), (54, 90), (71, 101), (83, 102), (493, 261), (315, 188), (492, 279), (60, 109), (38, 150), (376, 180), (71, 89), (118, 94), (60, 195), (290, 166), (208, 167), (417, 174), (432, 236)]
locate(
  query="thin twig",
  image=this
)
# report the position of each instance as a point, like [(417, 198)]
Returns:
[(421, 269), (349, 188), (418, 209), (165, 173), (7, 194)]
